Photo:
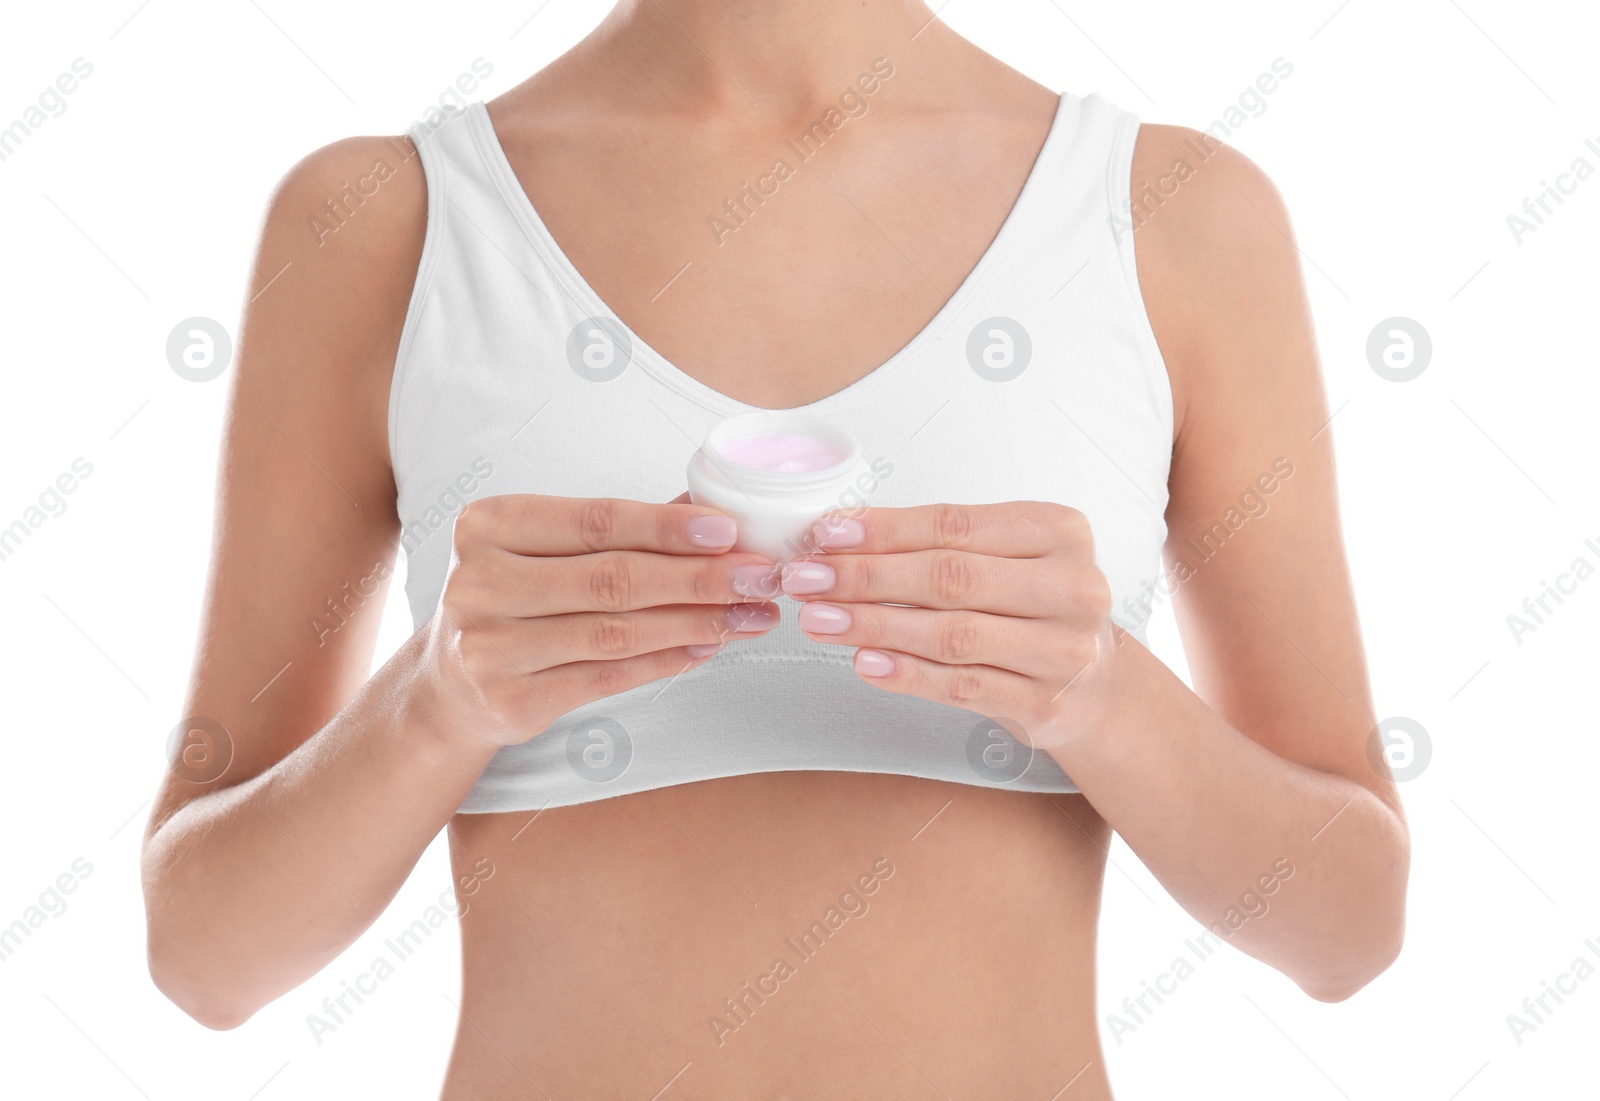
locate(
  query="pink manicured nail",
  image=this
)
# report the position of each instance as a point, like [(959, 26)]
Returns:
[(824, 619), (808, 578), (758, 581), (837, 532), (705, 649), (744, 618), (874, 663), (713, 531)]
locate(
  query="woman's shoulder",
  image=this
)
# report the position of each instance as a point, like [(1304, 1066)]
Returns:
[(339, 250), (1213, 244), (349, 207), (1169, 161)]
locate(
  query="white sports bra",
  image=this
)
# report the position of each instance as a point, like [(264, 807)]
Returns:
[(1039, 379)]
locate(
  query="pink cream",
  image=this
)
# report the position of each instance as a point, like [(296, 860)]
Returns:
[(784, 452)]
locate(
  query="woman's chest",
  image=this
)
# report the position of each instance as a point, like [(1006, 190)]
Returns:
[(777, 265), (932, 428)]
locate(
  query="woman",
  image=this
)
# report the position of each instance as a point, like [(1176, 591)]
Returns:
[(709, 840)]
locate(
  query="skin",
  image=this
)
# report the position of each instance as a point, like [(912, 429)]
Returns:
[(599, 940)]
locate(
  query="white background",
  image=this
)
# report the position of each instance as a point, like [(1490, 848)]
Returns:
[(1406, 135)]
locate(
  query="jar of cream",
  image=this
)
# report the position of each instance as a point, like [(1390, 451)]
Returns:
[(776, 471)]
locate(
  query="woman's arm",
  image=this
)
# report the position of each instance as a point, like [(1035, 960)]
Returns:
[(1252, 798), (1269, 758), (257, 877)]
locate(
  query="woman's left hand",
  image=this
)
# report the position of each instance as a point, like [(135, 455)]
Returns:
[(1008, 614)]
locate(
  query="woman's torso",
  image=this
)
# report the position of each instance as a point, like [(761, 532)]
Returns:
[(618, 945), (603, 944)]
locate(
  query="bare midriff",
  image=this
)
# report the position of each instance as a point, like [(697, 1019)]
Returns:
[(782, 935)]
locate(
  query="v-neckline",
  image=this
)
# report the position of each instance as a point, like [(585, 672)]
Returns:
[(662, 368)]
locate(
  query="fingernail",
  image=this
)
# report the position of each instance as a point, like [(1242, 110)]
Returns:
[(705, 649), (837, 532), (713, 531), (756, 580), (808, 578), (874, 663), (752, 617), (824, 619)]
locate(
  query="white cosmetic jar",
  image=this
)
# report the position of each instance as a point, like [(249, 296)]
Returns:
[(775, 509)]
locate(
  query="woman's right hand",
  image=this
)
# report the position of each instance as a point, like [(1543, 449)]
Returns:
[(554, 602)]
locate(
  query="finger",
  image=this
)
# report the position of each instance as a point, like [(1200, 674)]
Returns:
[(533, 524), (927, 579), (980, 688), (680, 499), (566, 687), (1031, 647), (532, 645), (516, 585), (1017, 529)]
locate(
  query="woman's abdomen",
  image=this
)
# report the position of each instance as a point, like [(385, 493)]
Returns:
[(779, 935)]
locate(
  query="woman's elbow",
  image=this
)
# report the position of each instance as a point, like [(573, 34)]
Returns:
[(1356, 969), (182, 962), (1365, 948), (204, 1000)]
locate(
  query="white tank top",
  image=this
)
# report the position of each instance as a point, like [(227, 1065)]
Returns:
[(1039, 379)]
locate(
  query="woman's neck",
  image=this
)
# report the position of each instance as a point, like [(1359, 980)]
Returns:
[(779, 56)]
